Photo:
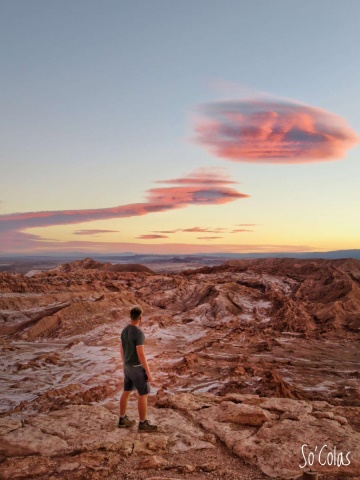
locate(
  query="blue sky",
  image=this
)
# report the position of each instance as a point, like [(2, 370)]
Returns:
[(98, 98)]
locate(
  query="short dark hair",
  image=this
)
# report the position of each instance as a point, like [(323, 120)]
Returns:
[(135, 313)]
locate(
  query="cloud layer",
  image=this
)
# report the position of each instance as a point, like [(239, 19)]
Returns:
[(272, 131), (208, 238), (151, 236), (215, 192), (21, 242), (203, 230), (210, 188), (94, 232), (203, 176), (217, 230)]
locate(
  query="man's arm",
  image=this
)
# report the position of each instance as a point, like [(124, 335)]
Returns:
[(141, 354), (122, 352)]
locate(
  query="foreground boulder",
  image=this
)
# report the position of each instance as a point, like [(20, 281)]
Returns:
[(50, 442), (278, 434)]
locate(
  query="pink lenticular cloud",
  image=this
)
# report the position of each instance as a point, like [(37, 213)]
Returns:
[(151, 237), (272, 131)]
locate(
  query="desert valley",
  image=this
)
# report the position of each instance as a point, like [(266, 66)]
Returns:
[(252, 360)]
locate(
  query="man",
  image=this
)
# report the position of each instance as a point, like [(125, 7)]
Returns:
[(136, 372)]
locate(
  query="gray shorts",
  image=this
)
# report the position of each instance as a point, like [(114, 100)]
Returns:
[(135, 377)]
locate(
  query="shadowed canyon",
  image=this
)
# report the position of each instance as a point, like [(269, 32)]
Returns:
[(251, 359)]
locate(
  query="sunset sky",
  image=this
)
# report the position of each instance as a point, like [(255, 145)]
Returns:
[(179, 127)]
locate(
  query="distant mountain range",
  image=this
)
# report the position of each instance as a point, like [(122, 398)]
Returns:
[(156, 262), (333, 254), (138, 257)]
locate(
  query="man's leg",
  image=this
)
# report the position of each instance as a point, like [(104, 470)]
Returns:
[(124, 421), (144, 424), (123, 402), (143, 388), (142, 406)]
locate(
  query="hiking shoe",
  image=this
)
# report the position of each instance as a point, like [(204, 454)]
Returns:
[(147, 427), (126, 422)]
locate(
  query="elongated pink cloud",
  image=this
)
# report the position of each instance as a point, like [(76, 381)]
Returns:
[(203, 230), (246, 224), (213, 192), (175, 197), (151, 237), (93, 232), (158, 200), (272, 131), (207, 238), (193, 230)]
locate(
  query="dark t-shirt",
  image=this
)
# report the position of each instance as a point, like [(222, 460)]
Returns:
[(131, 336)]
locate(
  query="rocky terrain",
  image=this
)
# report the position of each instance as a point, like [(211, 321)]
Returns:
[(255, 365)]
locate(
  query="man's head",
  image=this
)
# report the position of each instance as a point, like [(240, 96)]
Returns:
[(135, 314)]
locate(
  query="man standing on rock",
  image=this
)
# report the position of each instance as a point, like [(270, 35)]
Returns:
[(136, 372)]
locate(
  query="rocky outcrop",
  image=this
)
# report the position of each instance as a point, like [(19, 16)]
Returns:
[(58, 439), (329, 290), (273, 435), (89, 264), (276, 434)]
